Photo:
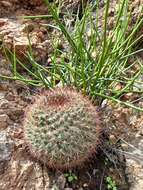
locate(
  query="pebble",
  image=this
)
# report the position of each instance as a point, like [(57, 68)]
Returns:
[(15, 113), (4, 104), (138, 185), (141, 145), (28, 28), (61, 181), (124, 146), (2, 21), (10, 96), (137, 135), (3, 121), (112, 138), (5, 147), (85, 185), (6, 4), (3, 85), (94, 54), (1, 96)]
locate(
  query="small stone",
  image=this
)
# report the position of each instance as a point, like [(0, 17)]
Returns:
[(112, 138), (104, 103), (15, 113), (118, 87), (137, 135), (4, 104), (3, 21), (128, 96), (141, 145), (6, 4), (111, 12), (124, 146), (40, 35), (28, 28), (3, 86), (85, 185), (5, 148), (94, 54), (138, 185), (1, 96), (10, 96), (61, 181), (3, 121), (3, 117)]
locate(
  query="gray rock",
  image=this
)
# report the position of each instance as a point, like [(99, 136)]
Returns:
[(61, 181), (5, 147), (5, 151)]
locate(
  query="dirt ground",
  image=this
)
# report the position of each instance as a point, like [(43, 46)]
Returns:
[(120, 156)]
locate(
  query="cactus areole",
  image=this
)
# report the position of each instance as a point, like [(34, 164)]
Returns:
[(62, 128)]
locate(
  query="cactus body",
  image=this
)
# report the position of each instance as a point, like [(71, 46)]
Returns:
[(62, 128)]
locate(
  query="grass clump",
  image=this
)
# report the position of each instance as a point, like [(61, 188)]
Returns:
[(96, 61)]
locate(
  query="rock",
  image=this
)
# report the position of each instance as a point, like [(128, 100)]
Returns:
[(32, 2), (13, 7), (5, 150), (14, 35), (134, 171), (3, 121), (94, 54), (124, 145), (61, 181), (138, 185), (15, 113), (24, 174), (3, 85), (6, 4), (2, 22), (85, 185), (10, 96), (4, 104), (28, 28), (141, 146), (112, 138), (1, 96), (5, 147)]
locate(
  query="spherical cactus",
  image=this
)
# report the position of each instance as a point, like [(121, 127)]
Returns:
[(62, 128)]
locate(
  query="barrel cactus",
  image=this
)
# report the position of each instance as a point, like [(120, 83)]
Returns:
[(62, 128)]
